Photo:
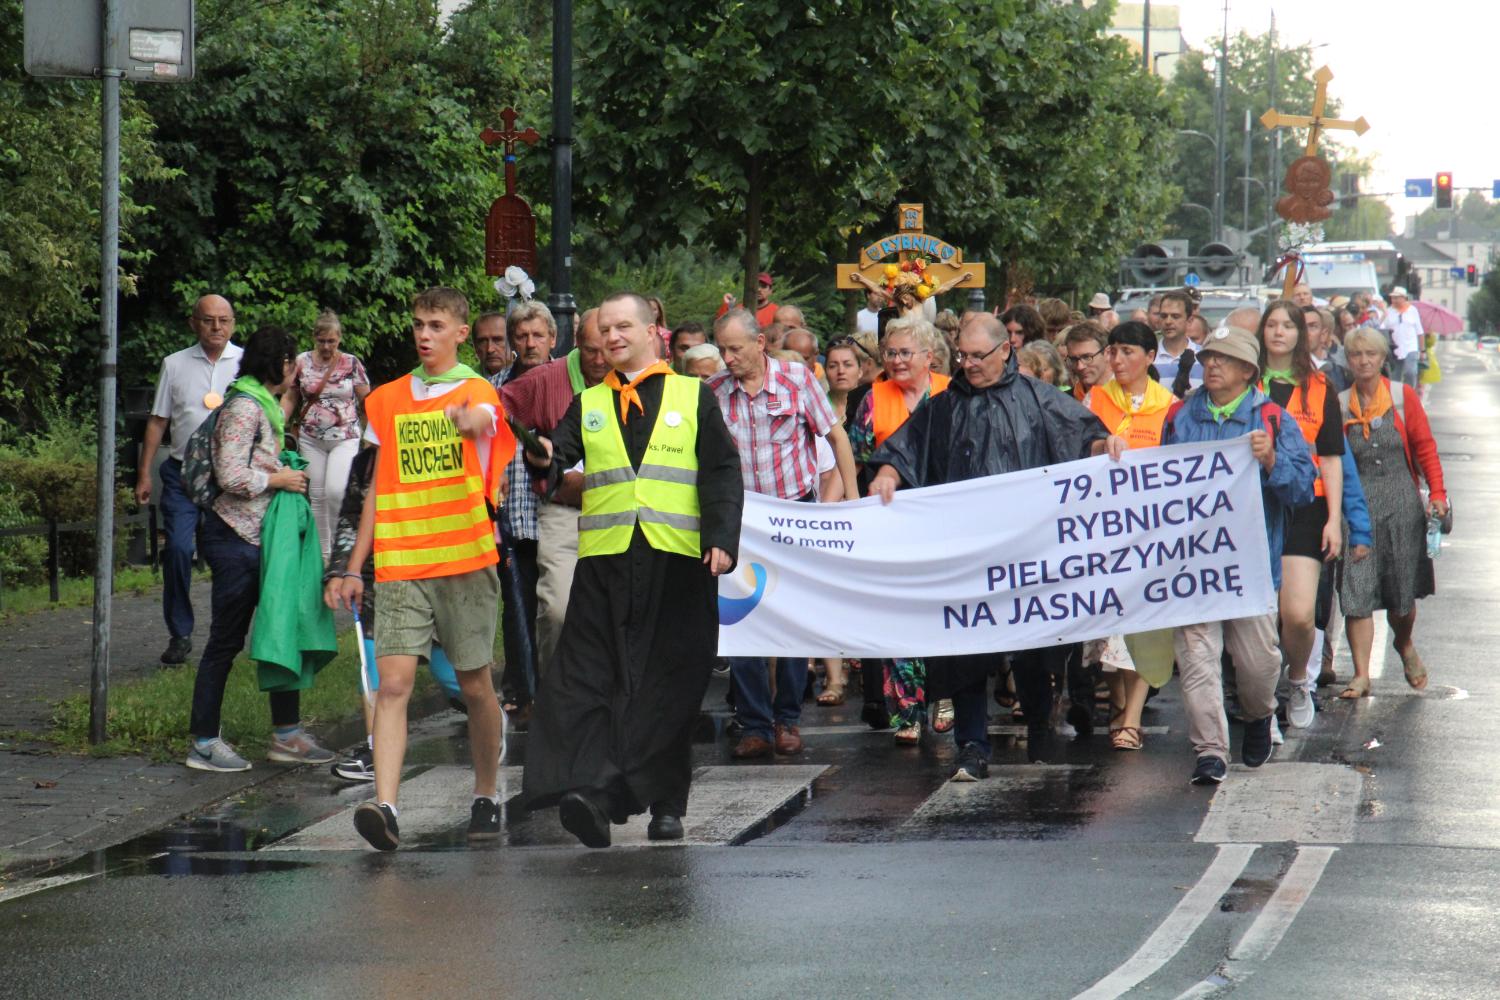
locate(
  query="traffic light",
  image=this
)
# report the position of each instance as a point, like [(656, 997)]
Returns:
[(1473, 275), (1442, 191)]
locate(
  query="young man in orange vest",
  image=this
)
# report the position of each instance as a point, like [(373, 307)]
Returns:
[(444, 447)]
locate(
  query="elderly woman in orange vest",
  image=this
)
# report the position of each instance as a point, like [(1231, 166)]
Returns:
[(1315, 531), (1134, 406), (906, 350)]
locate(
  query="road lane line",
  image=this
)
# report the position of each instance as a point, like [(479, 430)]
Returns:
[(1293, 801), (1180, 925), (1286, 902), (9, 893), (1257, 943)]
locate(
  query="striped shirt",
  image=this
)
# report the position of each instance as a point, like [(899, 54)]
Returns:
[(775, 429)]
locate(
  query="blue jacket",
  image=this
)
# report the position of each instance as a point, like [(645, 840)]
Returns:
[(1289, 484), (1356, 511)]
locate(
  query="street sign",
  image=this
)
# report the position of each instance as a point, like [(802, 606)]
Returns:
[(1495, 191), (1191, 279), (1421, 187), (1455, 272), (65, 38)]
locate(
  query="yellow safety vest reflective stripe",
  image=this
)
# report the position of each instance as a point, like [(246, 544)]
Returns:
[(661, 496)]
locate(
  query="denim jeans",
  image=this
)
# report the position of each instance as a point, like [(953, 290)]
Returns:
[(236, 592), (518, 612), (180, 520), (1407, 368), (752, 683)]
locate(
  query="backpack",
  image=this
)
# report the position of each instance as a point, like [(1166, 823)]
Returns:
[(198, 480)]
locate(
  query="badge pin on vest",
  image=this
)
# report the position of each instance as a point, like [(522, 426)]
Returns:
[(593, 421), (672, 418)]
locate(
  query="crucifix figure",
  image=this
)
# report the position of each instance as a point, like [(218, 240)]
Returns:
[(510, 229), (1308, 179)]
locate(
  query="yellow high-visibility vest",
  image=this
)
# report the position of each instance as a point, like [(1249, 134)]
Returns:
[(661, 496)]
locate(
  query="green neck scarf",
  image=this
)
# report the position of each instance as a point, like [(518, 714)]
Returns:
[(1280, 375), (575, 371), (457, 373), (1223, 413), (251, 386)]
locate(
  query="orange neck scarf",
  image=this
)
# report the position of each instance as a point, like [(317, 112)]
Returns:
[(628, 394), (1379, 406)]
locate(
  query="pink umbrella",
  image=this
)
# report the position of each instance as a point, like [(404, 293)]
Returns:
[(1436, 319)]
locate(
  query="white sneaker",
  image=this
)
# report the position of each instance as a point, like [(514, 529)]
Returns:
[(1300, 709)]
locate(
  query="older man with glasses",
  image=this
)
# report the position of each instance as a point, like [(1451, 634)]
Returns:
[(992, 420)]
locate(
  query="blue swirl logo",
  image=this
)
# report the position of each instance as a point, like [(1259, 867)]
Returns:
[(733, 610)]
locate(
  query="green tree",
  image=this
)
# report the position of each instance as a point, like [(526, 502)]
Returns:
[(49, 225), (1484, 305), (330, 158)]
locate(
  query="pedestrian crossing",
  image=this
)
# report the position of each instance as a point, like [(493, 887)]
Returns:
[(727, 805), (735, 804)]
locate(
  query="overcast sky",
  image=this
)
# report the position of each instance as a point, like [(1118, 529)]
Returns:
[(1420, 73)]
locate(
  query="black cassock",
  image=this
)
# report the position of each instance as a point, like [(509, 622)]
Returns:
[(616, 708)]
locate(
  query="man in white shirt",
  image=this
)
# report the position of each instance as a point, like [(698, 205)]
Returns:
[(1173, 351), (1403, 326), (190, 387), (869, 317)]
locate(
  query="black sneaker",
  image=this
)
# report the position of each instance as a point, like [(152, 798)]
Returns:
[(971, 764), (875, 715), (377, 824), (1081, 719), (360, 767), (484, 820), (1256, 749), (1039, 743), (177, 651), (1210, 771)]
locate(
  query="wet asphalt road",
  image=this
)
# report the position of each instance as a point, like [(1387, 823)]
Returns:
[(1362, 862)]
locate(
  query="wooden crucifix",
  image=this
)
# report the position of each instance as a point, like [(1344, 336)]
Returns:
[(510, 228), (1309, 178)]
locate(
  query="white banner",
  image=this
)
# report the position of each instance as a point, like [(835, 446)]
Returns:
[(1167, 536)]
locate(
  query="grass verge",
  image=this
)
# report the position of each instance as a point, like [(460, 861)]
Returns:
[(78, 592), (149, 715)]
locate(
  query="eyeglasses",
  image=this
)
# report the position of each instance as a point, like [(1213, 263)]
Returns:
[(849, 342), (901, 355), (959, 357), (1075, 360), (1213, 359)]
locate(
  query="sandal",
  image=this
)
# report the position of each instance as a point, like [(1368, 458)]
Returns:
[(1414, 668), (909, 735), (833, 694), (1126, 738), (1358, 687), (942, 716)]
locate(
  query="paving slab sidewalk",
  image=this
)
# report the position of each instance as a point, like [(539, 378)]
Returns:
[(55, 805)]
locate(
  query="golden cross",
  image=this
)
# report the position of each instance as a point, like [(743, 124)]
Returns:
[(1315, 123)]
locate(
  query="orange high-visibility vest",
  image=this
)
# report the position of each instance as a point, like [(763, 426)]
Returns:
[(890, 405), (432, 497), (1145, 429), (1307, 409)]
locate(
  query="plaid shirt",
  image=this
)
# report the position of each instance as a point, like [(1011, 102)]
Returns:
[(520, 506), (775, 428)]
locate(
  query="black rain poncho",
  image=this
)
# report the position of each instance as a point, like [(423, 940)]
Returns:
[(967, 433)]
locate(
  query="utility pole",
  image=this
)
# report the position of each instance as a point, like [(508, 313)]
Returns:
[(560, 301), (1273, 150), (1245, 205), (1146, 37), (1219, 113), (109, 293)]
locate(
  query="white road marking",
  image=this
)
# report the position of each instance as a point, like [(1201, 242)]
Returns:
[(954, 800), (725, 803), (1180, 925), (1303, 803), (1379, 646), (10, 893), (1257, 943)]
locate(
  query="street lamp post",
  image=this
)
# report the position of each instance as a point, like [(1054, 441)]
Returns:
[(1215, 223)]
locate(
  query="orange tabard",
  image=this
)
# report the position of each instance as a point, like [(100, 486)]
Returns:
[(1307, 409), (1145, 429), (431, 515), (890, 405)]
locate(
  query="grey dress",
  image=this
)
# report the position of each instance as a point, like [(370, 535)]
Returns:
[(1397, 573)]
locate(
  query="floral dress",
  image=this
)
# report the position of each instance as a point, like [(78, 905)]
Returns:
[(331, 411)]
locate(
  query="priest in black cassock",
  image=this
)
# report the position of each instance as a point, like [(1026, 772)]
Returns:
[(611, 734)]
